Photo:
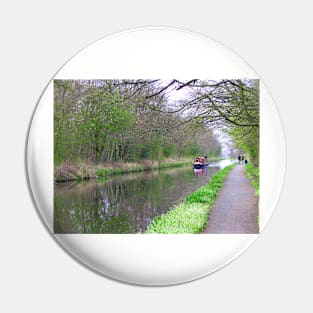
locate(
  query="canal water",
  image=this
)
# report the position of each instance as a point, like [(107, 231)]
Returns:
[(124, 204)]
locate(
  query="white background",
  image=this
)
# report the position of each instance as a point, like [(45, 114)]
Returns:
[(38, 37)]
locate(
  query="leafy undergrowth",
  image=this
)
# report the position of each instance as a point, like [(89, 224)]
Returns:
[(191, 216), (253, 173)]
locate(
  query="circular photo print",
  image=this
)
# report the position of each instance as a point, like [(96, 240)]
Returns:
[(155, 156)]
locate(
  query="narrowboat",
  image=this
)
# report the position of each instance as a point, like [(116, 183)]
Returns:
[(200, 162)]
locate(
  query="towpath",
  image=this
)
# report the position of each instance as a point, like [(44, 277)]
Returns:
[(236, 208)]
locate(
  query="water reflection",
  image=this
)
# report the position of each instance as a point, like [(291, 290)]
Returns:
[(199, 172), (222, 164), (123, 204)]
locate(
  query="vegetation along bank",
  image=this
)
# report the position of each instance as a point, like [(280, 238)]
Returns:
[(191, 216), (253, 173), (70, 171)]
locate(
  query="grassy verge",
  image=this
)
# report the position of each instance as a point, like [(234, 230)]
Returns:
[(132, 168), (107, 171), (191, 216), (78, 171), (253, 173)]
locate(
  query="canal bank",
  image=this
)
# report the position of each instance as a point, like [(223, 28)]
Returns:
[(70, 171), (191, 216)]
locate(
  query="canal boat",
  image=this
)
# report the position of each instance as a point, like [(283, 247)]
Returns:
[(200, 162)]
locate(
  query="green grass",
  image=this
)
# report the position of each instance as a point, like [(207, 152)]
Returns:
[(102, 172), (191, 216), (171, 164), (253, 173)]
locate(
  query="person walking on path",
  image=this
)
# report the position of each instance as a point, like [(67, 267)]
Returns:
[(236, 208), (239, 159)]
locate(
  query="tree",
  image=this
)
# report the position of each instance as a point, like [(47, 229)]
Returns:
[(129, 120)]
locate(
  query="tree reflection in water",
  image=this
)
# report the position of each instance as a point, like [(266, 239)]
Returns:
[(123, 204)]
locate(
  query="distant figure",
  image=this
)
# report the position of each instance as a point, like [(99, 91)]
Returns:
[(239, 158), (246, 161), (242, 159)]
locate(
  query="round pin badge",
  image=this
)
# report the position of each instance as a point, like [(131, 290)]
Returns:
[(155, 156)]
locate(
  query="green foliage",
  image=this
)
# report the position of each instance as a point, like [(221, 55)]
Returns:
[(90, 124), (247, 140), (169, 149), (253, 173), (191, 216), (244, 130), (106, 121), (191, 149), (185, 218)]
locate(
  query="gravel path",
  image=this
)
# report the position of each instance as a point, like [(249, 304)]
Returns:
[(236, 208)]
